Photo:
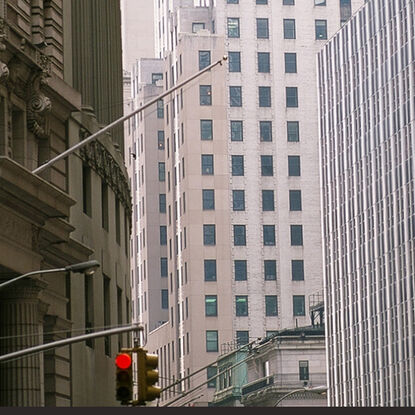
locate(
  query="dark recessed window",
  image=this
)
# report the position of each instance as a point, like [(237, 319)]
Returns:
[(268, 235), (241, 305), (289, 29), (238, 199), (267, 166), (233, 27), (239, 235), (204, 59), (265, 130), (235, 96), (271, 305), (294, 166), (288, 2), (205, 94), (321, 29), (296, 235), (209, 235), (262, 28), (264, 93), (211, 305), (293, 131), (212, 341), (162, 203), (210, 269), (207, 164), (299, 305), (297, 270), (295, 200), (264, 63), (206, 129), (234, 59), (242, 338), (270, 269), (291, 93), (268, 203), (240, 269), (237, 165), (236, 131), (208, 199), (160, 140), (290, 62)]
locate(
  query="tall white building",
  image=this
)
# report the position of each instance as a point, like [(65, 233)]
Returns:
[(232, 250), (366, 82)]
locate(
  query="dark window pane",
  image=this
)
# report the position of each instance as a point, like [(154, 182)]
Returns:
[(242, 338), (241, 304), (267, 166), (262, 29), (297, 270), (237, 165), (211, 305), (239, 235), (163, 267), (204, 59), (294, 167), (235, 96), (163, 235), (233, 27), (211, 372), (162, 203), (299, 305), (264, 65), (240, 266), (205, 94), (270, 270), (288, 2), (236, 131), (303, 369), (210, 269), (271, 305), (269, 235), (291, 96), (207, 164), (264, 93), (293, 131), (290, 62), (238, 199), (321, 29), (209, 237), (208, 199), (160, 140), (296, 235), (268, 200), (206, 129), (234, 61), (295, 200), (265, 130), (212, 342), (289, 29)]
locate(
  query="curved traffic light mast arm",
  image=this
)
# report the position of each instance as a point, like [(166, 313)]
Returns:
[(126, 117)]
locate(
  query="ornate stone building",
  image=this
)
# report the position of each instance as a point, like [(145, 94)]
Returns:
[(77, 209)]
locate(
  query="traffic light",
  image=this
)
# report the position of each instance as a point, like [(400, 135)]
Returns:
[(147, 376), (124, 377)]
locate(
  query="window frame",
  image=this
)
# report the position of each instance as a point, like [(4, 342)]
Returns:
[(235, 96), (237, 235), (209, 265), (289, 32), (240, 267), (270, 265), (233, 32), (235, 207), (209, 234), (205, 95), (241, 310)]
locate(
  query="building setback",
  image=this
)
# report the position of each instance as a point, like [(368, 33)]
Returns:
[(366, 89), (239, 238)]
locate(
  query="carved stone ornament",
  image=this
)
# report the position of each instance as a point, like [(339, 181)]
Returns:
[(38, 105), (4, 72)]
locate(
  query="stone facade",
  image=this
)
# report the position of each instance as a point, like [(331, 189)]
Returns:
[(54, 219)]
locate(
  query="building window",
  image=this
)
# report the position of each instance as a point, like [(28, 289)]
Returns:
[(163, 267), (267, 166), (303, 369), (164, 299), (321, 2), (86, 190), (232, 1), (295, 200), (208, 199), (205, 94), (211, 372), (262, 28), (237, 165), (238, 199), (288, 2), (160, 140), (293, 131), (239, 235), (264, 63), (271, 305), (291, 93), (163, 235), (162, 171), (234, 61), (211, 305), (196, 26), (210, 269), (162, 203), (204, 59), (290, 62), (233, 27), (299, 305), (296, 235), (240, 269), (321, 29), (294, 166), (206, 129), (104, 206), (297, 270), (209, 235), (264, 93), (289, 29), (270, 270), (265, 130), (268, 235), (268, 200), (242, 338), (241, 305), (156, 77), (212, 341), (107, 313), (207, 164), (160, 109), (118, 221), (235, 96), (236, 131)]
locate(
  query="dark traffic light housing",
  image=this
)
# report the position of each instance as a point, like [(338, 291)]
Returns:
[(147, 376), (124, 377)]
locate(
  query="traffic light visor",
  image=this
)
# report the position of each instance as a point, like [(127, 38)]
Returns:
[(123, 361)]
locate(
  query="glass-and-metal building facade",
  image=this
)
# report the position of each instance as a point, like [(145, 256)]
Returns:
[(366, 91)]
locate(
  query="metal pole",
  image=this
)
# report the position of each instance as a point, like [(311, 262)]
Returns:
[(77, 339), (44, 271), (124, 118)]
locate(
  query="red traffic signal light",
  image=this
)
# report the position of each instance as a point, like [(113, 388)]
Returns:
[(124, 377)]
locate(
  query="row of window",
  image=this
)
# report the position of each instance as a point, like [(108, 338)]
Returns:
[(284, 2), (235, 96), (267, 169), (262, 28), (263, 61), (238, 200)]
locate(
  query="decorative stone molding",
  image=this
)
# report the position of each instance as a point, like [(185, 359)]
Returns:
[(100, 160), (4, 72), (38, 105)]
